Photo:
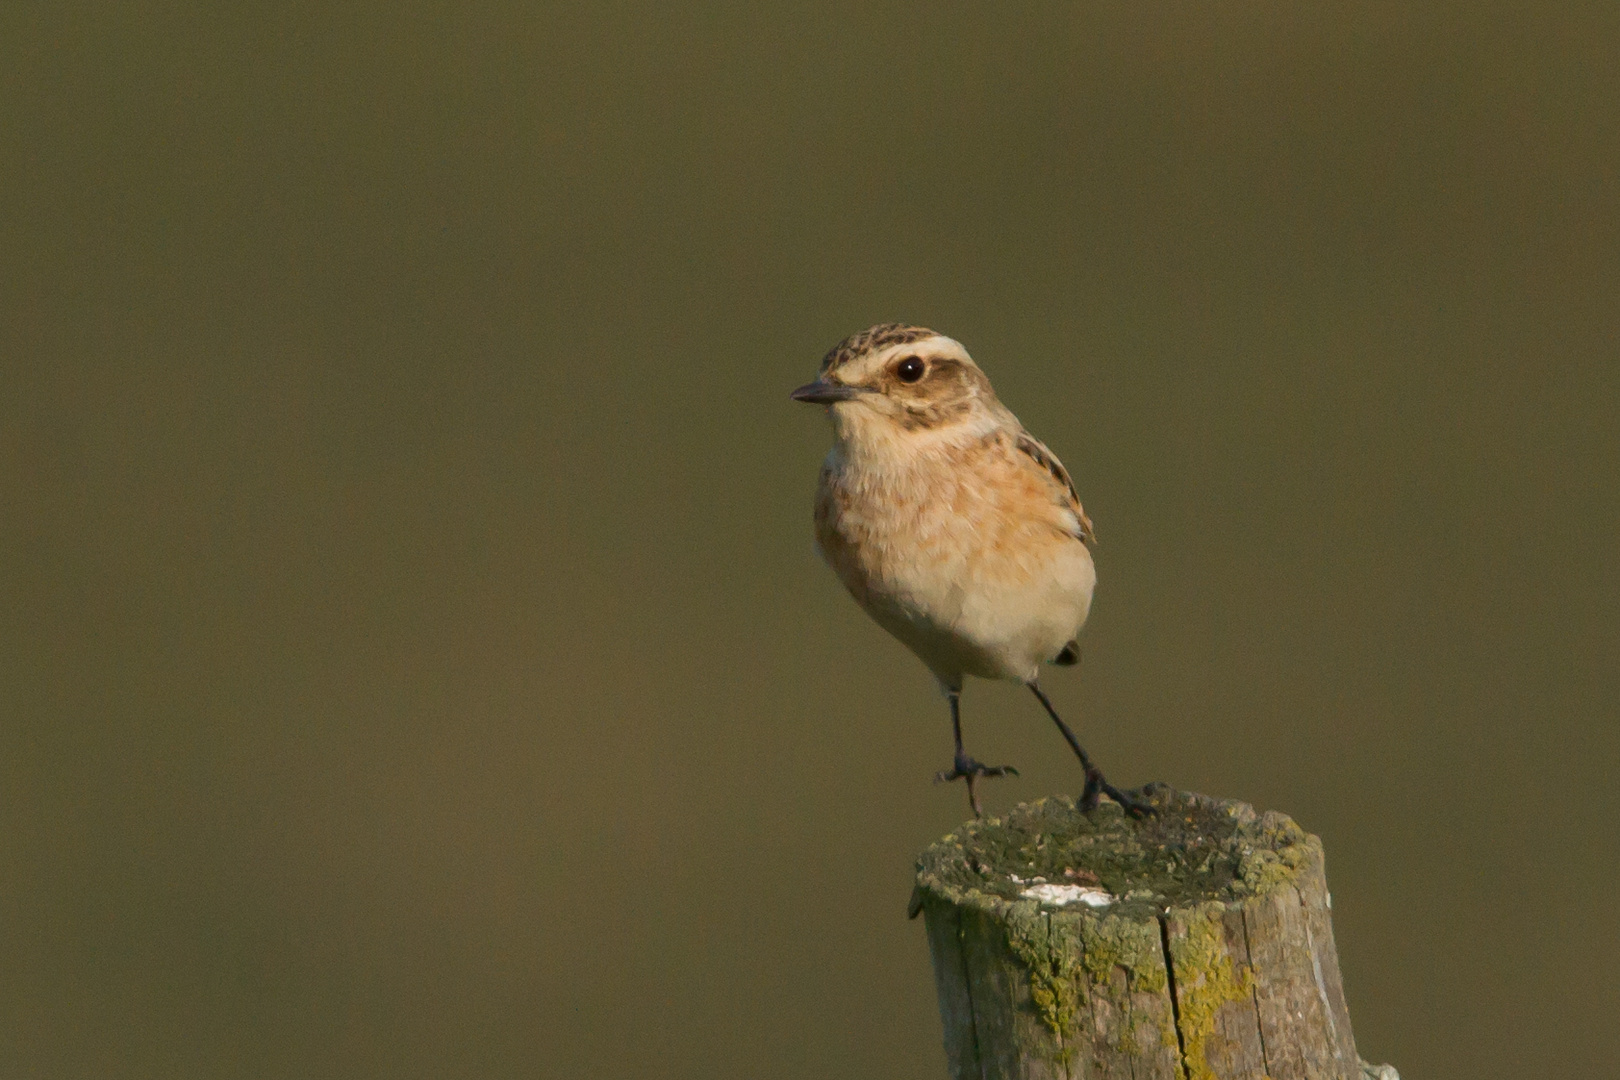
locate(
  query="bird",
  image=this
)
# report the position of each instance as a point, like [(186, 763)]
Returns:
[(953, 527)]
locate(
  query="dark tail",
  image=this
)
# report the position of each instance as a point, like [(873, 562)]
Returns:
[(1070, 655)]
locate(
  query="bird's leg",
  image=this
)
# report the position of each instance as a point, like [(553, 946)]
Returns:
[(1096, 784), (964, 767)]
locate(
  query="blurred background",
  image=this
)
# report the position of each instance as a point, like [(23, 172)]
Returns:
[(413, 657)]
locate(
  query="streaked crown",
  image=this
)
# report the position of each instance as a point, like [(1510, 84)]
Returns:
[(871, 340)]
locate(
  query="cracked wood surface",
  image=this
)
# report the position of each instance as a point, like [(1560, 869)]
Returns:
[(1216, 959)]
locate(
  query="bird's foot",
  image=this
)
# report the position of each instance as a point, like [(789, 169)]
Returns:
[(1097, 786), (965, 768)]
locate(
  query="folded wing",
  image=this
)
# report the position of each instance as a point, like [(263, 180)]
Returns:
[(1048, 461)]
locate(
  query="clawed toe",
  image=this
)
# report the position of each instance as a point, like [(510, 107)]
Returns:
[(965, 768), (1134, 807), (1096, 786)]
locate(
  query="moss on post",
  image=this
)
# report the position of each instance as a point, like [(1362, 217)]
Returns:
[(1191, 946)]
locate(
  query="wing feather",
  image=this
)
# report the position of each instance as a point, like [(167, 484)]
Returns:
[(1047, 460)]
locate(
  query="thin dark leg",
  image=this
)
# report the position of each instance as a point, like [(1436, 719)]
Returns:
[(1095, 782), (964, 767)]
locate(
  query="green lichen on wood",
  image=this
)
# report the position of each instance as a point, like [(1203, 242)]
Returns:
[(1050, 951), (1109, 943), (1193, 858), (1071, 957), (1194, 850), (1282, 851), (1206, 979)]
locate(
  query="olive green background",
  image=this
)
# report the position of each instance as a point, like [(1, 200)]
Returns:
[(413, 657)]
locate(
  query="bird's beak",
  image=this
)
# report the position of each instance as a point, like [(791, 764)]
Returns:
[(822, 392)]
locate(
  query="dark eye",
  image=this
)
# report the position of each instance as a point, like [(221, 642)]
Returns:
[(910, 369)]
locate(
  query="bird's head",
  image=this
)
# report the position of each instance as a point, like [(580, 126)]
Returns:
[(894, 380)]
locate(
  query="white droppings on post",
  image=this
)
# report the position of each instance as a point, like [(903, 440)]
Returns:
[(1065, 895)]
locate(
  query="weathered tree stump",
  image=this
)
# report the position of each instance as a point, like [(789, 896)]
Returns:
[(1193, 945)]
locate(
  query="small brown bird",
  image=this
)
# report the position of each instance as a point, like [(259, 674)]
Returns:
[(952, 526)]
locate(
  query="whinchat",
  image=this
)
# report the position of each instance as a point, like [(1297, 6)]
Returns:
[(958, 531)]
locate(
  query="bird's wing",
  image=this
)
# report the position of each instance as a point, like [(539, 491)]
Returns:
[(1047, 460)]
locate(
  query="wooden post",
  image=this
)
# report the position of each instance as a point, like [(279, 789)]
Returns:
[(1193, 945)]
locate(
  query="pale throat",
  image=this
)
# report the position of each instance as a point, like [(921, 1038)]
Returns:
[(868, 438)]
